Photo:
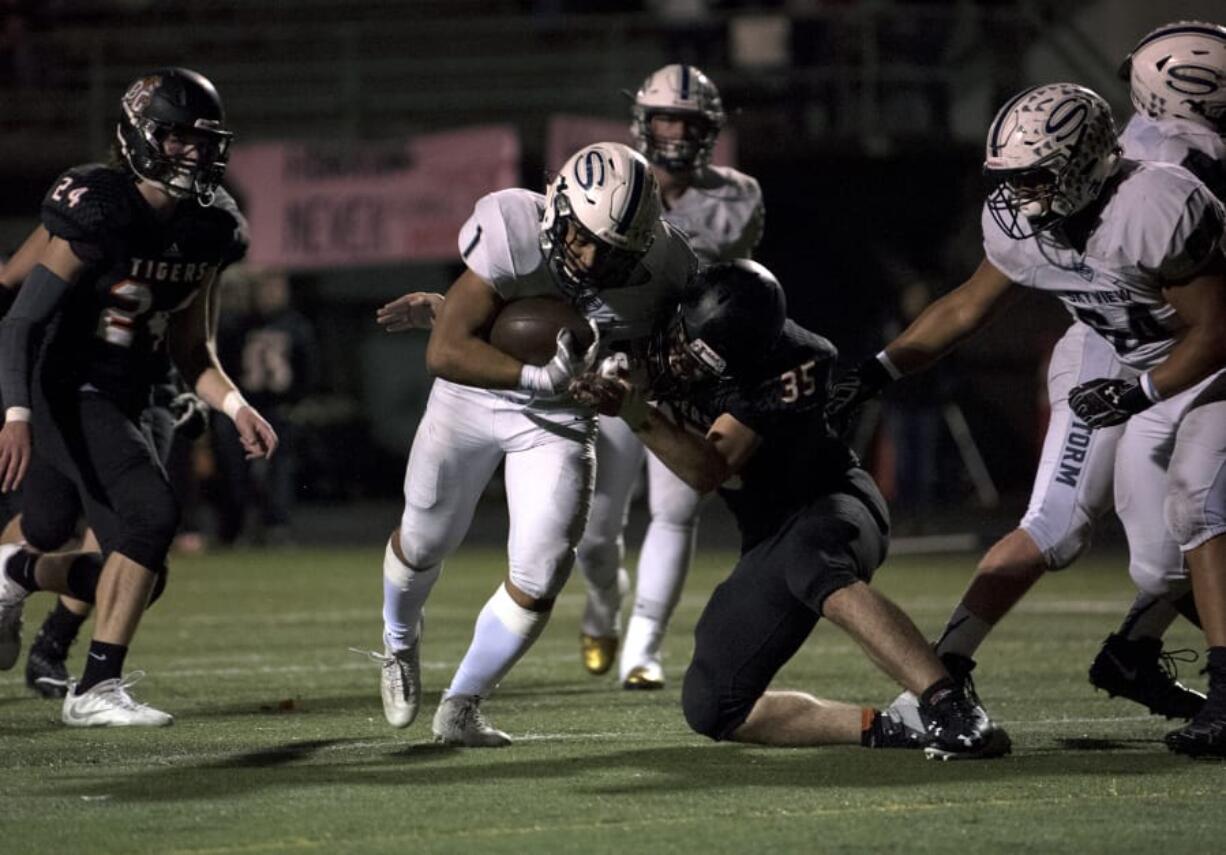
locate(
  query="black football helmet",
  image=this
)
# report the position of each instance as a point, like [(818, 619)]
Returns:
[(182, 103), (730, 318)]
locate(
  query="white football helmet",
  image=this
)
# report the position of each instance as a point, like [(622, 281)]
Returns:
[(683, 91), (608, 192), (1179, 72), (1050, 151)]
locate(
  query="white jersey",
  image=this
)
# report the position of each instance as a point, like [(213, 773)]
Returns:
[(501, 244), (1160, 225), (1188, 144), (721, 213)]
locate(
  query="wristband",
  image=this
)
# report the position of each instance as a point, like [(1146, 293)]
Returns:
[(17, 414), (232, 403), (888, 364), (1151, 391), (1134, 399)]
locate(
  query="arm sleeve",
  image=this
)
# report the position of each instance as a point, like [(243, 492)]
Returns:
[(37, 301)]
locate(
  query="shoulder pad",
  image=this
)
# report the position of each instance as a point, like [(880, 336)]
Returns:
[(234, 233), (87, 204)]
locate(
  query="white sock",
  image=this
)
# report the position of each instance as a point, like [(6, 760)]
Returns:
[(602, 612), (1149, 617), (644, 635), (964, 633), (664, 563), (504, 632), (404, 596)]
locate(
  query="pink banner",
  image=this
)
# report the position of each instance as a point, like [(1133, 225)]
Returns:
[(567, 134), (315, 205)]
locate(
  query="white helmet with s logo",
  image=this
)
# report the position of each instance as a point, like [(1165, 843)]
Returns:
[(1179, 72)]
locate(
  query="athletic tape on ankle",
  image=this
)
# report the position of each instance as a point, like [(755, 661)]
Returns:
[(515, 617)]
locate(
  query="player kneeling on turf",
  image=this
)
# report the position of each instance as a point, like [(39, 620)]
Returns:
[(741, 392)]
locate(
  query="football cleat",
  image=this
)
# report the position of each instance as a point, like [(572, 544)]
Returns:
[(890, 730), (1142, 671), (12, 600), (905, 708), (46, 666), (108, 704), (959, 728), (1203, 736), (646, 677), (598, 653), (458, 721)]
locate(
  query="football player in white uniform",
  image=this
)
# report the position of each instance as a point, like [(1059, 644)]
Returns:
[(678, 115), (596, 239), (1134, 251)]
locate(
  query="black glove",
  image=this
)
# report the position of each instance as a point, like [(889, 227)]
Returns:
[(1103, 403), (851, 390), (191, 415)]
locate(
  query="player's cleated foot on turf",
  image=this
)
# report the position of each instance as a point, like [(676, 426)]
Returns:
[(12, 600), (1142, 671), (598, 653), (108, 704), (959, 729), (1203, 736), (459, 721), (46, 666), (889, 730), (646, 677)]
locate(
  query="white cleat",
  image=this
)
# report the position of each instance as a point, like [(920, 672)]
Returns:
[(400, 684), (12, 600), (646, 676), (458, 721), (641, 654), (108, 704)]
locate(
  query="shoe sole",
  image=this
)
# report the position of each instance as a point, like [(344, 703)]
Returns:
[(998, 745)]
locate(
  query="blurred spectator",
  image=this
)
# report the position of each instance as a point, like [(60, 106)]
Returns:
[(272, 348)]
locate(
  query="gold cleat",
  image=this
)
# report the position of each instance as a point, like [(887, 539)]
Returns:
[(644, 678), (598, 652)]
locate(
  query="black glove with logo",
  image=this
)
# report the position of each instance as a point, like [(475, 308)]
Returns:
[(1104, 403), (851, 390)]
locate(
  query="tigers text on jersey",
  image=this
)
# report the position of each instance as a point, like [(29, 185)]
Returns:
[(721, 214), (799, 458), (1159, 225), (501, 244), (140, 270), (1188, 144)]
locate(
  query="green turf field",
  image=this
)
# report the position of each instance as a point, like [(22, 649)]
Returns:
[(280, 744)]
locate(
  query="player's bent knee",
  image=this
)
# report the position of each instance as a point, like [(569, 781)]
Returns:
[(1190, 517), (544, 580), (159, 584), (147, 533), (708, 711), (47, 532)]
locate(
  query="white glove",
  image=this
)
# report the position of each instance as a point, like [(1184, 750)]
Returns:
[(554, 377)]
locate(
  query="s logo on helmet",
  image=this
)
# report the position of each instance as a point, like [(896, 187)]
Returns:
[(1192, 79), (590, 170), (1067, 118)]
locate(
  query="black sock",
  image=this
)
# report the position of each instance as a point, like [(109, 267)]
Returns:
[(20, 568), (1216, 659), (62, 625), (937, 691), (104, 662)]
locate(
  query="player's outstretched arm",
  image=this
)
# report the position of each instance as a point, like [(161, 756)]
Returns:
[(413, 311), (193, 351)]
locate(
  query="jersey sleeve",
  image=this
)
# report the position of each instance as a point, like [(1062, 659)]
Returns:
[(234, 232), (89, 209), (1185, 238), (751, 235), (484, 245), (1005, 253)]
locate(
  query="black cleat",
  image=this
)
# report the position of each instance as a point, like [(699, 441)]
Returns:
[(1142, 671), (959, 728), (46, 667), (1203, 736)]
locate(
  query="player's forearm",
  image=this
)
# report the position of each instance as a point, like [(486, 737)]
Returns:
[(472, 362), (33, 308), (1199, 353), (939, 329), (692, 458)]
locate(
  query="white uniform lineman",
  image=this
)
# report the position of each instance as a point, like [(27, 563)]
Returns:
[(721, 213), (547, 441)]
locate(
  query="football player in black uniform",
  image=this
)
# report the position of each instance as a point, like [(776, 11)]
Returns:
[(172, 412), (132, 255), (746, 388)]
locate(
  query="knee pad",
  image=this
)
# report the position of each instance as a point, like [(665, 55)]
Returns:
[(159, 584), (46, 530), (1154, 567), (1195, 507), (706, 712), (1062, 542), (146, 533), (544, 578)]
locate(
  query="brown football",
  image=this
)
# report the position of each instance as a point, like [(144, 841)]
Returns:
[(528, 328)]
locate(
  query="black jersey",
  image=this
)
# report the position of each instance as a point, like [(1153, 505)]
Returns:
[(140, 270), (800, 457)]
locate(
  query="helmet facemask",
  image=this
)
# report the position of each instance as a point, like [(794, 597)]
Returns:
[(686, 153), (677, 363)]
